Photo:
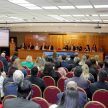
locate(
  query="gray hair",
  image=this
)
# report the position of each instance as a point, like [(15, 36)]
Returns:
[(2, 54), (18, 76), (76, 54), (77, 60), (84, 58), (71, 84)]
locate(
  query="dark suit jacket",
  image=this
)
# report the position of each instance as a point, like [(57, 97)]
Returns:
[(73, 48), (80, 82), (74, 65), (20, 103), (66, 65), (45, 47), (38, 81), (93, 73), (5, 63), (70, 61), (82, 99), (97, 85), (8, 79), (51, 47), (79, 49), (32, 47), (23, 47), (104, 68)]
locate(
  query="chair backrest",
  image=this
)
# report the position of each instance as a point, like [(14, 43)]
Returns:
[(92, 76), (49, 81), (58, 48), (69, 75), (36, 91), (42, 102), (88, 82), (66, 69), (94, 104), (81, 90), (107, 78), (72, 70), (101, 95), (50, 94), (1, 65), (60, 75), (39, 74), (8, 97), (106, 82), (25, 67), (9, 60), (60, 83), (28, 76), (29, 72)]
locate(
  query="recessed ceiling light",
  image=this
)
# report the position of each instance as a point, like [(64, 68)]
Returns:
[(105, 20), (50, 7), (65, 15), (18, 1), (27, 5), (96, 20), (33, 8), (85, 6), (91, 15), (66, 7), (104, 15), (101, 6), (86, 20), (78, 15)]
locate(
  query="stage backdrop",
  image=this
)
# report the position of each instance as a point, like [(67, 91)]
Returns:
[(59, 41)]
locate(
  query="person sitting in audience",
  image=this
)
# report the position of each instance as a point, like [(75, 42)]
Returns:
[(41, 65), (97, 60), (55, 56), (82, 96), (70, 99), (100, 84), (85, 73), (64, 64), (23, 46), (7, 58), (49, 71), (76, 61), (60, 58), (93, 64), (37, 62), (43, 47), (30, 46), (71, 61), (17, 63), (23, 91), (87, 56), (83, 60), (94, 49), (87, 49), (76, 78), (14, 54), (92, 71), (76, 54), (12, 69), (28, 62), (105, 67), (1, 84), (44, 56), (60, 69), (5, 63), (49, 59), (35, 80)]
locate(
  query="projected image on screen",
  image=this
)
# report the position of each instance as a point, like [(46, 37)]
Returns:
[(4, 38)]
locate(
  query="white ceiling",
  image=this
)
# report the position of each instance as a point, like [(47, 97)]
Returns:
[(8, 9)]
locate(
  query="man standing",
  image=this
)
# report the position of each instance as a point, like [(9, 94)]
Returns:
[(37, 47), (12, 40), (50, 47), (72, 48), (79, 47), (30, 46), (43, 47)]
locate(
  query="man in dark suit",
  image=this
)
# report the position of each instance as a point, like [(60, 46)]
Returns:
[(64, 64), (24, 91), (50, 47), (43, 47), (82, 96), (72, 48), (100, 84), (35, 80), (79, 47), (12, 40), (71, 61), (88, 62), (23, 46), (76, 78), (30, 46), (5, 63)]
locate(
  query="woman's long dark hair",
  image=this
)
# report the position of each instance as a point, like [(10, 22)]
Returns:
[(70, 99), (57, 65)]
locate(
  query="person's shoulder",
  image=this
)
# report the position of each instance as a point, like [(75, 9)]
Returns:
[(60, 94)]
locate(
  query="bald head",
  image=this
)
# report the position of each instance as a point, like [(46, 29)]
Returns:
[(71, 84), (2, 54)]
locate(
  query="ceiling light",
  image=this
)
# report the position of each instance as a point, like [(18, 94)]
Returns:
[(65, 15), (91, 15), (83, 7), (101, 6), (78, 15), (66, 7), (105, 20), (50, 7), (86, 20), (18, 1), (27, 5), (32, 8), (104, 15), (96, 20)]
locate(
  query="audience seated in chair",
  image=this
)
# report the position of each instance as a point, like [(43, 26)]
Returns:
[(36, 64), (71, 61), (97, 60), (82, 96), (100, 84), (24, 91), (35, 80), (83, 60)]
